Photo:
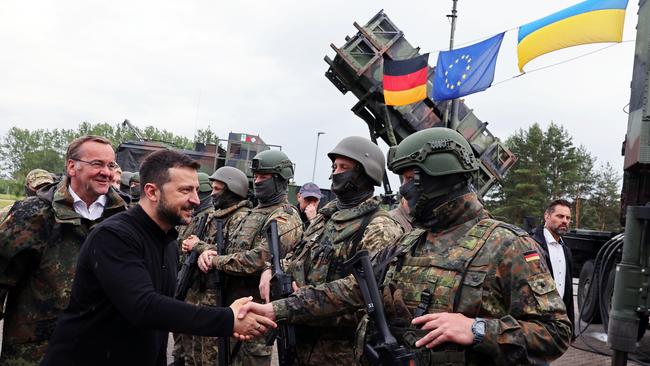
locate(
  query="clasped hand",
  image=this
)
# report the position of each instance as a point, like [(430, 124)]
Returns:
[(249, 324)]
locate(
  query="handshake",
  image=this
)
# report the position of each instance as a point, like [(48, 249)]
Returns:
[(251, 319)]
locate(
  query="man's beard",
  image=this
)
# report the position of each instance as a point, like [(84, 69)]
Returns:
[(170, 214), (561, 230)]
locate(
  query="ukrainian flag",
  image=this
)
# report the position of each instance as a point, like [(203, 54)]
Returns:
[(591, 21)]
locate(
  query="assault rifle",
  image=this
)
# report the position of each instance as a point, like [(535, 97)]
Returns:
[(184, 280), (385, 350), (280, 288), (220, 285)]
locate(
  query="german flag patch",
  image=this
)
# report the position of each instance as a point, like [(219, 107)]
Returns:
[(531, 256)]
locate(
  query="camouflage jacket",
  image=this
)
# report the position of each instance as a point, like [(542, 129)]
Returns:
[(39, 244), (330, 240), (232, 216), (503, 280), (184, 231), (248, 251)]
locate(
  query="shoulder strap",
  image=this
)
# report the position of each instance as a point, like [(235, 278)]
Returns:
[(479, 245), (362, 228)]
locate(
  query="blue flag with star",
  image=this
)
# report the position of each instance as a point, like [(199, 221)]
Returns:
[(466, 70)]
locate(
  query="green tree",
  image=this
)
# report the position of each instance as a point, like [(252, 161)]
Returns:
[(549, 166), (22, 150), (602, 208)]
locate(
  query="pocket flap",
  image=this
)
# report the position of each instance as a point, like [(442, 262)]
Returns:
[(541, 283), (474, 278)]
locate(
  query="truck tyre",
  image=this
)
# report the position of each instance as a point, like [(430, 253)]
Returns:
[(606, 301), (590, 310)]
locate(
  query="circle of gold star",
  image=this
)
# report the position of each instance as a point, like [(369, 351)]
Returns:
[(456, 72)]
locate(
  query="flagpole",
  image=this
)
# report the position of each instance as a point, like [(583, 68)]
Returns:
[(452, 119)]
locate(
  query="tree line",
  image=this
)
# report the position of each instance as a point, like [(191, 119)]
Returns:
[(22, 150), (549, 166)]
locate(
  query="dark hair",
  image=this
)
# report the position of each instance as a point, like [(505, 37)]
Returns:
[(559, 202), (155, 167), (73, 148)]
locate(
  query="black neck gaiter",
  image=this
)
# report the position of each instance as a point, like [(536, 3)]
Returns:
[(224, 199), (425, 194), (352, 188), (271, 191)]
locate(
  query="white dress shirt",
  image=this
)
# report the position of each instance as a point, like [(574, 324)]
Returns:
[(92, 212), (556, 254)]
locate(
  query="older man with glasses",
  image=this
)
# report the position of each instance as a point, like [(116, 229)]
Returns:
[(40, 241)]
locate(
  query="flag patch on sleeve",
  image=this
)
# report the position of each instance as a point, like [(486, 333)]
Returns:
[(531, 256)]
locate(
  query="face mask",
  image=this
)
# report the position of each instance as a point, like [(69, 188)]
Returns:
[(352, 188), (135, 192), (411, 194), (224, 199), (264, 190), (342, 183)]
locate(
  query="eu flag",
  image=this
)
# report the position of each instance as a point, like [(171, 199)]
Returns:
[(466, 70)]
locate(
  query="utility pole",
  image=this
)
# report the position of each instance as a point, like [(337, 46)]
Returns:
[(313, 173), (452, 117)]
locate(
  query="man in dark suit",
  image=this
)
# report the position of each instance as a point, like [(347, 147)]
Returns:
[(558, 257)]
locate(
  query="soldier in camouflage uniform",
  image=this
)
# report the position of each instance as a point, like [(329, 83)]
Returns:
[(229, 193), (39, 243), (485, 295), (34, 180), (186, 232), (248, 252), (352, 222)]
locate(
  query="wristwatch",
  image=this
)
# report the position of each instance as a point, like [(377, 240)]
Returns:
[(478, 329)]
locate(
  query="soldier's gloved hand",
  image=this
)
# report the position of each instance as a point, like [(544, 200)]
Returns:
[(397, 312), (401, 310)]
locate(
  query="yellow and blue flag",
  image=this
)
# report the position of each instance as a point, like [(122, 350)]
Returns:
[(591, 21), (466, 70)]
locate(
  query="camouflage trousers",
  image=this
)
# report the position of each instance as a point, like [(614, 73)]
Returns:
[(197, 351), (325, 352), (25, 354), (252, 353)]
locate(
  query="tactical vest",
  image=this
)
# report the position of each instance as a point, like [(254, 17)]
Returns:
[(435, 284), (331, 241), (249, 231)]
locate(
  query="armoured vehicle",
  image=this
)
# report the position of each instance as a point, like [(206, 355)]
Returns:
[(240, 149)]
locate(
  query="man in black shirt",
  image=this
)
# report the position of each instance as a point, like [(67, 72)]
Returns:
[(121, 309)]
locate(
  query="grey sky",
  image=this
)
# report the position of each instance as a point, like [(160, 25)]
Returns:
[(258, 67)]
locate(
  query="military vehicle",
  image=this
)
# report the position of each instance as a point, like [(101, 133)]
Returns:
[(630, 303), (240, 150), (357, 67)]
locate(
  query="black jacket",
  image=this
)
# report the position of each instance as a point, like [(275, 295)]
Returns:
[(567, 296), (121, 307)]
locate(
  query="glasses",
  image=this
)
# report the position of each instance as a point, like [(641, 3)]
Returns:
[(98, 164)]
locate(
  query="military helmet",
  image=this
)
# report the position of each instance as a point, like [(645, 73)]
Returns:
[(233, 178), (125, 179), (135, 178), (273, 161), (365, 152), (437, 151), (204, 183), (38, 177)]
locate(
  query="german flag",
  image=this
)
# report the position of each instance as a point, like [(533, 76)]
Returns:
[(405, 81)]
